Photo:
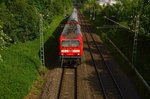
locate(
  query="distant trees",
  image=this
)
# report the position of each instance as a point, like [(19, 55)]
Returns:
[(19, 19), (126, 12), (145, 19)]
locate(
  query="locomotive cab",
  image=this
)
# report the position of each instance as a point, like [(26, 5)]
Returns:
[(71, 50), (70, 42)]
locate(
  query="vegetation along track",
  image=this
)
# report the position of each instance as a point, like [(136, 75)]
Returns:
[(68, 84), (109, 86)]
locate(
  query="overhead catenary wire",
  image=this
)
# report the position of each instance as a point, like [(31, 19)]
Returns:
[(134, 51)]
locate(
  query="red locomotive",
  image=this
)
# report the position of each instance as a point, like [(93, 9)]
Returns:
[(71, 43)]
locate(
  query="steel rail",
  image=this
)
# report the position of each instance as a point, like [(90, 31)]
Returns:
[(60, 85), (111, 73), (95, 66), (62, 80), (75, 89)]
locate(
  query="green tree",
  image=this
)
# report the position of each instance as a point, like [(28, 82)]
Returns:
[(4, 39)]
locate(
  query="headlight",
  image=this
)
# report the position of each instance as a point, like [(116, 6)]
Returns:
[(76, 51), (64, 51)]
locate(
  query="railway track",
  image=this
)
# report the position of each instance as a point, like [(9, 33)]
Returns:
[(93, 79), (68, 84), (109, 86)]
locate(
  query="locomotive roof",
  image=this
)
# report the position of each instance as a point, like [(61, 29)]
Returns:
[(71, 30), (70, 35), (74, 15)]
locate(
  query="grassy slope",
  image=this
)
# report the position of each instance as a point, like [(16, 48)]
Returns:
[(124, 40), (20, 66)]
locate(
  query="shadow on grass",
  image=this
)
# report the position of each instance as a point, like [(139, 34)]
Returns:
[(52, 47)]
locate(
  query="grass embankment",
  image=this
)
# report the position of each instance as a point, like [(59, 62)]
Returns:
[(124, 41), (21, 66)]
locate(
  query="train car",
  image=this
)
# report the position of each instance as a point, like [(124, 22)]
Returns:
[(71, 43)]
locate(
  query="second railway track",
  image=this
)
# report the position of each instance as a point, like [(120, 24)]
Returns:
[(109, 86)]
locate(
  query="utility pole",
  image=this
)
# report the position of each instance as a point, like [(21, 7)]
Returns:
[(93, 12), (90, 14), (64, 11), (137, 25), (42, 57), (134, 51)]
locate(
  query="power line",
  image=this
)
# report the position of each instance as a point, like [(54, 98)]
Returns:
[(117, 23)]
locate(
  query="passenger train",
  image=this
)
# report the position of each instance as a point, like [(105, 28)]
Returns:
[(71, 41)]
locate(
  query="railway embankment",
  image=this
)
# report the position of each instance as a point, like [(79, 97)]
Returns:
[(50, 43), (137, 73), (21, 24), (20, 67)]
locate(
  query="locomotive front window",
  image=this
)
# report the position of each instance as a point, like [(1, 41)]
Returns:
[(68, 43), (75, 43)]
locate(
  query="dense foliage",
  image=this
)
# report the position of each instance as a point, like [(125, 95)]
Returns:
[(19, 19), (127, 12), (19, 36)]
